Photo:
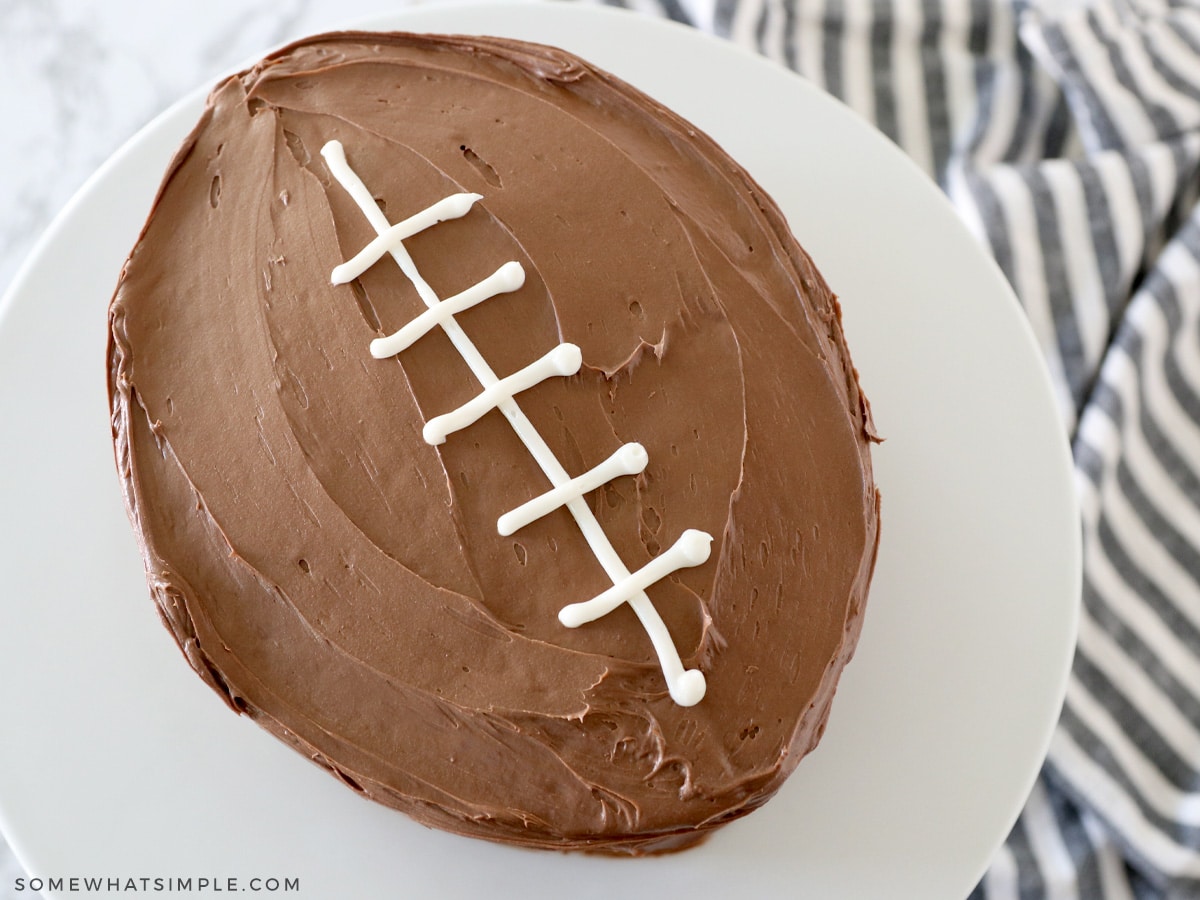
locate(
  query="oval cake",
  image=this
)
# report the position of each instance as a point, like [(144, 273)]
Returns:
[(490, 440)]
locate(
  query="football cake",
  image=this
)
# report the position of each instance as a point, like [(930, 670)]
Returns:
[(490, 440)]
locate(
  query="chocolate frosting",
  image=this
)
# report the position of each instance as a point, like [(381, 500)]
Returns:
[(343, 583)]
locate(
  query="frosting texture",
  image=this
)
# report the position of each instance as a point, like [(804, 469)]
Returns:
[(334, 576)]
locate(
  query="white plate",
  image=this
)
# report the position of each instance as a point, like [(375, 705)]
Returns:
[(115, 759)]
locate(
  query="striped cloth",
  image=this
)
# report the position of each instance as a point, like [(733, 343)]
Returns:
[(1068, 137)]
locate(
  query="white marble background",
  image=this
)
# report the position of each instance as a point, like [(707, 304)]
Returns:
[(80, 76)]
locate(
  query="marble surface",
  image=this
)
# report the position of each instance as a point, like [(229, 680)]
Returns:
[(82, 76)]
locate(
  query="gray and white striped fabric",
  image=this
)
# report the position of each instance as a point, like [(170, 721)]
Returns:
[(1068, 137)]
